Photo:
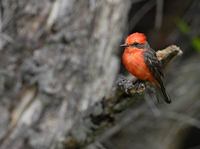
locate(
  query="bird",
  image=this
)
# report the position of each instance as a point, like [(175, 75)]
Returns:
[(141, 61)]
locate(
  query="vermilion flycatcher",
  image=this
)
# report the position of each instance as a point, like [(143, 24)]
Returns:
[(141, 61)]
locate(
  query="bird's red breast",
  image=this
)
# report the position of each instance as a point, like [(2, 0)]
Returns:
[(133, 60)]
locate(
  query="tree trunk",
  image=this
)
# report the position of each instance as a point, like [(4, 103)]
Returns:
[(57, 59)]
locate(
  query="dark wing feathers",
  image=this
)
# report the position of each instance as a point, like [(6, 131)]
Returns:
[(155, 68), (153, 64)]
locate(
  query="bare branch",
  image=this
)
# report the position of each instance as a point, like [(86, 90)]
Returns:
[(103, 114)]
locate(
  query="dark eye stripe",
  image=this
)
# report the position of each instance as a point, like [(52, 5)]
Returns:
[(138, 45)]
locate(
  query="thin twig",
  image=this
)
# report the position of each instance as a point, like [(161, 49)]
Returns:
[(159, 13), (182, 118), (140, 13)]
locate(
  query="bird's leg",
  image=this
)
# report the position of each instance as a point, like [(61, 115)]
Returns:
[(128, 85), (125, 84), (139, 85)]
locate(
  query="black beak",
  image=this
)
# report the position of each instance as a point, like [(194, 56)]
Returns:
[(124, 45)]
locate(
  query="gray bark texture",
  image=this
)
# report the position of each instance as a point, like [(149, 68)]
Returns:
[(57, 59)]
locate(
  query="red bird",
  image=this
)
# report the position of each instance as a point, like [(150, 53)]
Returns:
[(141, 61)]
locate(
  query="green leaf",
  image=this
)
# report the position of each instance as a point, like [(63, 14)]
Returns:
[(183, 26), (196, 43)]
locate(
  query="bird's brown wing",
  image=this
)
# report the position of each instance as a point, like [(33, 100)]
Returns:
[(155, 68), (153, 64)]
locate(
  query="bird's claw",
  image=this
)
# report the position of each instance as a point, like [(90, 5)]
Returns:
[(128, 85), (125, 84), (139, 86)]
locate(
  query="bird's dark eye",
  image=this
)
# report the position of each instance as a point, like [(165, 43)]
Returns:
[(138, 45), (135, 44)]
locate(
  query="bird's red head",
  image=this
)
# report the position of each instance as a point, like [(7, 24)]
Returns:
[(135, 38)]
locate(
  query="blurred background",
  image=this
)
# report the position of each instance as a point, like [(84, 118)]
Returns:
[(60, 57)]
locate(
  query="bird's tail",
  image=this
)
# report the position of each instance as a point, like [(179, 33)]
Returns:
[(166, 97)]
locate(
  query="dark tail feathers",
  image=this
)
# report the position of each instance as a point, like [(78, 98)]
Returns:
[(166, 97)]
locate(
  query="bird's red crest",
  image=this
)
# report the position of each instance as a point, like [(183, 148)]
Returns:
[(136, 37)]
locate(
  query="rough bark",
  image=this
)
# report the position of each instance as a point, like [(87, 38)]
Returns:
[(57, 58)]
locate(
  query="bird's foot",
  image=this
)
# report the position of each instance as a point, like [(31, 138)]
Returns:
[(125, 84), (130, 86), (139, 86)]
